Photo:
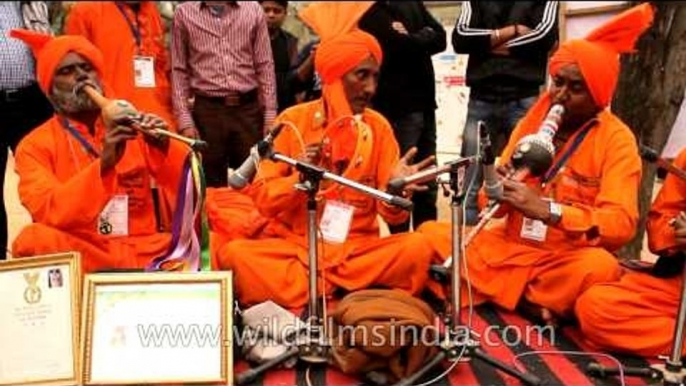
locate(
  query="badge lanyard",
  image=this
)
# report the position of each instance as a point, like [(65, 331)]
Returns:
[(84, 143), (565, 156), (135, 29)]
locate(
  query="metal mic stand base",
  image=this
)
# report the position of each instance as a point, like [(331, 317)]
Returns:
[(314, 347), (459, 343), (460, 346), (659, 372), (311, 347)]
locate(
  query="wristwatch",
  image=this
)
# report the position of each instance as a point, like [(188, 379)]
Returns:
[(555, 212)]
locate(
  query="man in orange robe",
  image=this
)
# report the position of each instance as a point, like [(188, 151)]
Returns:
[(638, 313), (359, 147), (128, 32), (558, 237), (87, 186)]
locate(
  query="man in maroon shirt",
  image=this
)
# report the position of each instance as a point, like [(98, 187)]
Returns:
[(221, 58)]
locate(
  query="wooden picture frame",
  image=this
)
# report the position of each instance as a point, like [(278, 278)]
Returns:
[(39, 322), (153, 328)]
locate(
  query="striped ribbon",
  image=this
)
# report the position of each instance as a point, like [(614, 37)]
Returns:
[(189, 247)]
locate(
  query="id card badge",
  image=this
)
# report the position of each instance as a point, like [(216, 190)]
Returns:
[(114, 219), (144, 71), (533, 229), (335, 221)]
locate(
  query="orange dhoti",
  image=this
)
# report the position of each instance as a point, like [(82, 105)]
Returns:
[(98, 253), (502, 270), (231, 215), (277, 269), (635, 315)]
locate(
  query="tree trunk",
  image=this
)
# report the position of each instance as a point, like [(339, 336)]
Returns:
[(650, 92)]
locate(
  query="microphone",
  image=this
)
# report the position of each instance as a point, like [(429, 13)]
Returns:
[(397, 184), (245, 173), (493, 187), (651, 156)]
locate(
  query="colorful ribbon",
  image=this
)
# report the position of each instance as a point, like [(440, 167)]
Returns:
[(189, 247)]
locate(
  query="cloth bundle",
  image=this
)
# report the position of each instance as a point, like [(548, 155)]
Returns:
[(384, 332)]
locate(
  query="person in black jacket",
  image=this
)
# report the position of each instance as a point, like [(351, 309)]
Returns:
[(508, 45), (406, 94), (284, 51), (307, 84)]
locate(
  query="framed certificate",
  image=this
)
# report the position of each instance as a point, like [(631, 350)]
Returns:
[(157, 328), (39, 320)]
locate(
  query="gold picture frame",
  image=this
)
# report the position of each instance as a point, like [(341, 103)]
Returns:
[(39, 322), (153, 328)]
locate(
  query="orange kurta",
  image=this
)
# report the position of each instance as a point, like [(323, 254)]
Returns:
[(275, 266), (102, 23), (598, 190), (638, 313), (64, 191)]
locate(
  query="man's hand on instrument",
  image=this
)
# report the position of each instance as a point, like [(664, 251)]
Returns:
[(190, 132), (114, 144), (120, 112), (404, 169), (504, 171), (525, 199), (149, 122)]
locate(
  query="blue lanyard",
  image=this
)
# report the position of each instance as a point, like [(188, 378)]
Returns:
[(134, 28), (84, 143), (565, 157)]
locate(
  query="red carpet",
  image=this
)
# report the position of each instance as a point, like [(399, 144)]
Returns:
[(557, 368)]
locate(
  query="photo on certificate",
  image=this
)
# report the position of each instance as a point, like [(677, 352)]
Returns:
[(39, 321), (157, 328)]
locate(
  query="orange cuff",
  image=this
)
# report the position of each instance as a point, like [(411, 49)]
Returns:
[(579, 221)]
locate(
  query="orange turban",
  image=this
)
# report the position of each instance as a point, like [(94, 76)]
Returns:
[(598, 54), (49, 52), (342, 47)]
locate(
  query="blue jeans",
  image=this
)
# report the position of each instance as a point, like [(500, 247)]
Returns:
[(417, 129), (500, 119)]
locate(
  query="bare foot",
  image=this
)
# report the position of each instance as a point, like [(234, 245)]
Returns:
[(537, 314), (549, 318)]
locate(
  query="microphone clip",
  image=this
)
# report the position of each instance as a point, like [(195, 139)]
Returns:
[(265, 149)]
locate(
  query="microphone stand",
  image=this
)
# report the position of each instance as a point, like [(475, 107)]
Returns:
[(458, 342), (314, 348)]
